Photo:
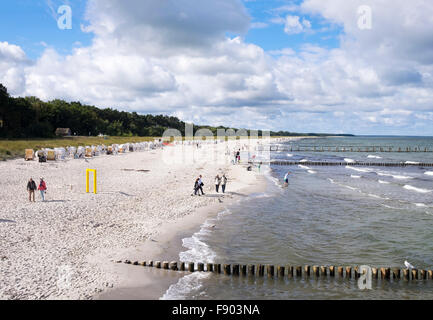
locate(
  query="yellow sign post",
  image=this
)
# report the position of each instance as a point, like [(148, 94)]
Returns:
[(88, 178)]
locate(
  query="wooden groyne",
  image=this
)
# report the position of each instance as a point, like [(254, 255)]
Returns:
[(361, 163), (308, 148), (287, 271)]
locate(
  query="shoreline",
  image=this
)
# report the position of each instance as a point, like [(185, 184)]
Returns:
[(143, 283)]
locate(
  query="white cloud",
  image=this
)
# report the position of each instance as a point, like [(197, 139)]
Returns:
[(174, 57)]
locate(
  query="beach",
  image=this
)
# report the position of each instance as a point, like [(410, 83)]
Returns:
[(67, 247)]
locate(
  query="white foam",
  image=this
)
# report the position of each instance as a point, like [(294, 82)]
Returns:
[(331, 180), (303, 160), (359, 169), (383, 182), (429, 173), (395, 176), (351, 188), (422, 205), (374, 157), (312, 171), (186, 286), (304, 167), (420, 190), (348, 160), (355, 177), (290, 155), (412, 162)]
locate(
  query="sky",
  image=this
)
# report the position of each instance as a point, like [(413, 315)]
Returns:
[(333, 66)]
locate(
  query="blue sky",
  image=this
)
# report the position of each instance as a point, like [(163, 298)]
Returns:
[(303, 65)]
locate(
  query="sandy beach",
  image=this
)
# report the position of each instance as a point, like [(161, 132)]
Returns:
[(66, 247)]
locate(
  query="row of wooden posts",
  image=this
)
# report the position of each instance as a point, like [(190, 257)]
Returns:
[(361, 164), (287, 271), (348, 149)]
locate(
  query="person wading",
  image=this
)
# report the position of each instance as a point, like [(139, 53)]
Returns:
[(31, 187), (42, 188)]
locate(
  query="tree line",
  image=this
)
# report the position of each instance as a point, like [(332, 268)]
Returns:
[(30, 117)]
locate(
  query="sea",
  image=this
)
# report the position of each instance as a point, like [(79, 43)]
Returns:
[(330, 215)]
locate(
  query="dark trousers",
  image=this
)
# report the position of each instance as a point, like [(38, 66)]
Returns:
[(223, 187), (217, 187)]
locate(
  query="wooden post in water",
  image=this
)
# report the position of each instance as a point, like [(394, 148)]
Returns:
[(182, 266), (316, 271), (261, 270), (430, 274), (356, 271), (227, 269), (382, 273), (280, 271), (150, 263), (396, 273), (374, 273), (165, 265), (423, 274), (158, 264), (340, 271), (191, 267), (332, 271), (270, 270), (348, 272), (298, 271), (235, 269), (290, 271), (414, 274), (323, 271), (217, 268), (200, 267), (209, 267), (307, 269), (143, 264), (251, 269), (173, 266), (406, 274), (244, 270)]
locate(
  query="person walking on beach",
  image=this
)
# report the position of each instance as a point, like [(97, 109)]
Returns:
[(200, 185), (223, 183), (42, 188), (238, 156), (31, 188), (217, 183), (196, 187)]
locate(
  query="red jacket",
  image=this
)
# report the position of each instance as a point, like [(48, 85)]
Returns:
[(42, 186)]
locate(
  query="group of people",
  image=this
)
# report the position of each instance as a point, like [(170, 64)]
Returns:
[(31, 188), (219, 181)]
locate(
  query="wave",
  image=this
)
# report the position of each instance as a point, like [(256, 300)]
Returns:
[(412, 162), (395, 176), (422, 205), (348, 160), (331, 180), (312, 171), (359, 169), (303, 160), (383, 182), (420, 190), (351, 188), (355, 177), (289, 155), (429, 173), (374, 157), (186, 286), (304, 167)]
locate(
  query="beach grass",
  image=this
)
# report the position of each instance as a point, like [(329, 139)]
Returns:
[(15, 148)]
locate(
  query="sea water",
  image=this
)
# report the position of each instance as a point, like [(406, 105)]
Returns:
[(342, 215)]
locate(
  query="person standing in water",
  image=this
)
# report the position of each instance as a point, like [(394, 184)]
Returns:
[(31, 188), (42, 188), (217, 183), (223, 183), (286, 179)]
